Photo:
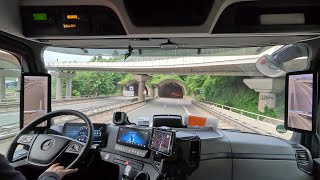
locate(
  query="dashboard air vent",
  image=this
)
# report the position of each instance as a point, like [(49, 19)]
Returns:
[(194, 150), (304, 158)]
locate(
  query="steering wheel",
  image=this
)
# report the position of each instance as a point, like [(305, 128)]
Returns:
[(44, 149)]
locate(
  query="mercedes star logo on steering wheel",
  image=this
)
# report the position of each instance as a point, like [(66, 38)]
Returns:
[(48, 144)]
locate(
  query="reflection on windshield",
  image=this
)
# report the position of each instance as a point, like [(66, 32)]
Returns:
[(222, 85)]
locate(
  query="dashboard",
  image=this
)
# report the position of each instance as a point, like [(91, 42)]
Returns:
[(79, 132), (186, 153)]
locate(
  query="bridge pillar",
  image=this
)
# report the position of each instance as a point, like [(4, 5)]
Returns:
[(68, 76), (58, 89), (267, 88), (124, 88), (68, 88), (151, 92), (142, 84), (155, 90)]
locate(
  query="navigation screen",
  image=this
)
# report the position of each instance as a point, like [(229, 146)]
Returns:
[(300, 101), (162, 141), (79, 132), (133, 137)]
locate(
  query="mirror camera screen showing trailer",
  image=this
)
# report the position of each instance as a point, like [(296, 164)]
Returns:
[(301, 101)]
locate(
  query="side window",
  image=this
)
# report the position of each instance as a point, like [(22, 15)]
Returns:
[(10, 72)]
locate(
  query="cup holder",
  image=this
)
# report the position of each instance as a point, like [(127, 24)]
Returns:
[(142, 176)]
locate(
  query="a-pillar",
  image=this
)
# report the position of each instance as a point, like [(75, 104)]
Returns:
[(2, 87), (142, 84), (267, 88), (68, 76)]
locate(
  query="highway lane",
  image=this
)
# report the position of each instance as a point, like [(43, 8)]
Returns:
[(300, 102), (13, 117), (170, 106), (296, 120)]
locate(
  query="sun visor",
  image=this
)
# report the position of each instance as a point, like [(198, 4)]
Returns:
[(269, 17)]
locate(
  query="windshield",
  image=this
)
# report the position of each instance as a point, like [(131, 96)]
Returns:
[(220, 84)]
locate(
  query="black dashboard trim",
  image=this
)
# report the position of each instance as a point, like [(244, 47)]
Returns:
[(289, 157)]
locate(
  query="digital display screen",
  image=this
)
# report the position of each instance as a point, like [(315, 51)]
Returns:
[(133, 137), (40, 16), (36, 97), (162, 141), (79, 132), (69, 26), (300, 101)]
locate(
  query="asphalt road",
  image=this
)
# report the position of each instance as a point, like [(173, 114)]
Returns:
[(170, 106), (300, 104), (13, 117)]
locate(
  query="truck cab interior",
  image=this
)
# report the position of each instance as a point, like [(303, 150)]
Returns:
[(168, 148)]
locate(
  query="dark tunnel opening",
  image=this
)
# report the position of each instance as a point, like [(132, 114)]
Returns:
[(171, 90)]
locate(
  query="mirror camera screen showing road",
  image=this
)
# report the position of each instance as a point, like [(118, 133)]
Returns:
[(35, 97), (300, 94)]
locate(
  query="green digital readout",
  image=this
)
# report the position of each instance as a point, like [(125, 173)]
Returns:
[(40, 16)]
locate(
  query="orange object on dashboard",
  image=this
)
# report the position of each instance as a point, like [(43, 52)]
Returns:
[(72, 16), (196, 121)]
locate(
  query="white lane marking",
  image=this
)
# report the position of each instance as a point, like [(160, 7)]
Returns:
[(141, 107), (188, 113)]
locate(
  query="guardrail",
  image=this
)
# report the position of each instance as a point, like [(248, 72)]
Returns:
[(6, 104), (245, 124), (10, 130), (242, 112)]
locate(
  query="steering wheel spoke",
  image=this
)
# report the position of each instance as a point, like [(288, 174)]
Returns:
[(26, 139), (74, 147)]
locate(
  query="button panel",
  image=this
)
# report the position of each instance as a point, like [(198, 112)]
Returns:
[(126, 162), (74, 148), (25, 139), (130, 150), (20, 154)]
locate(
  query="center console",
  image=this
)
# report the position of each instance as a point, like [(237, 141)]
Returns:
[(133, 141), (151, 153)]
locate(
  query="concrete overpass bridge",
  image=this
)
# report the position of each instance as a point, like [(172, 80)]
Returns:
[(212, 65), (230, 65)]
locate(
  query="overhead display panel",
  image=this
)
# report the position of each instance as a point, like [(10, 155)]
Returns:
[(70, 21)]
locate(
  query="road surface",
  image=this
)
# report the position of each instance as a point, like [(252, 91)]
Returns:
[(300, 104), (170, 106)]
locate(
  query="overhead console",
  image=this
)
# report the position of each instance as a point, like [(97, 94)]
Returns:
[(43, 21), (162, 13), (269, 17)]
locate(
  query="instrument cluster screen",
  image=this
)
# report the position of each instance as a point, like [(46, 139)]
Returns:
[(133, 137), (162, 141), (79, 132)]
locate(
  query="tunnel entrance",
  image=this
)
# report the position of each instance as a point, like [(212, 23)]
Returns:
[(135, 86), (171, 90)]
